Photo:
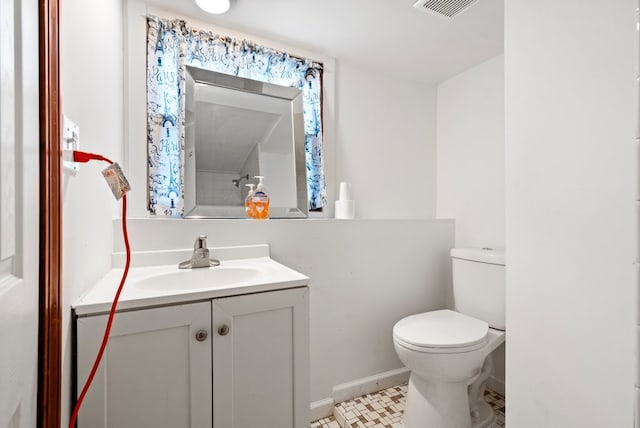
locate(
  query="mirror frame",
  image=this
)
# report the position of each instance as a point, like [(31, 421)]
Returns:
[(294, 95)]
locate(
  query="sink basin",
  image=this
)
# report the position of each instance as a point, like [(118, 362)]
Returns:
[(195, 279)]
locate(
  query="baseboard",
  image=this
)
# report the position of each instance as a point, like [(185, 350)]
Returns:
[(347, 391), (496, 385), (321, 409), (367, 385)]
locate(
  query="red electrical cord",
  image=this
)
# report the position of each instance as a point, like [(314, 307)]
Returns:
[(86, 157)]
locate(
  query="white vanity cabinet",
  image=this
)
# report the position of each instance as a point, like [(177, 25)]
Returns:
[(229, 362), (261, 366), (154, 372)]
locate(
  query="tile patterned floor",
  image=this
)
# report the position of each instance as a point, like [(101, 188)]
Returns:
[(383, 409)]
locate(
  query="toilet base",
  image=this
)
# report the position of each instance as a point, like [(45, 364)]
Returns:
[(446, 405), (484, 417), (482, 414), (436, 405)]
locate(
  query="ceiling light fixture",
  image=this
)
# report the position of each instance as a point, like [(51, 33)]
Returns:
[(213, 6)]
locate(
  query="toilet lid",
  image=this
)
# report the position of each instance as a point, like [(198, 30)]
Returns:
[(441, 329)]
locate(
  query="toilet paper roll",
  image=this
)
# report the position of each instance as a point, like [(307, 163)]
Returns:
[(345, 209), (345, 191)]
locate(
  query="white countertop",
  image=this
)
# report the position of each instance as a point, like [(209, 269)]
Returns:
[(98, 300)]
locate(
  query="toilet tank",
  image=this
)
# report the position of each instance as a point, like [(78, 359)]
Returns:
[(479, 284)]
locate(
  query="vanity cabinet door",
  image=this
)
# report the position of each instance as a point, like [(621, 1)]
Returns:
[(261, 360), (155, 372)]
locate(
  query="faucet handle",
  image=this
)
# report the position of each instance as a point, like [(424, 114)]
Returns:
[(201, 243)]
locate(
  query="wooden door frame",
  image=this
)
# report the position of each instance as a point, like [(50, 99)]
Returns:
[(50, 253)]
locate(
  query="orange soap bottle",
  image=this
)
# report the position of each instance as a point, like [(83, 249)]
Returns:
[(248, 202), (261, 200)]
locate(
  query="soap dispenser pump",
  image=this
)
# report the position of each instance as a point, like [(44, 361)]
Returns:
[(261, 200)]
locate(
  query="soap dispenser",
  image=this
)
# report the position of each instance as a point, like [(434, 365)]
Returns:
[(261, 200), (248, 202)]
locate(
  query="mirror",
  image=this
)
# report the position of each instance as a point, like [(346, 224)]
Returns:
[(237, 128)]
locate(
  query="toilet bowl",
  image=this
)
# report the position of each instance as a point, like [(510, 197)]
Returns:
[(448, 352)]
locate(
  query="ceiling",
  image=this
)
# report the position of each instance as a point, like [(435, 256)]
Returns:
[(389, 36)]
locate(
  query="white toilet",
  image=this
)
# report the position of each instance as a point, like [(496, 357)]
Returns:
[(448, 351)]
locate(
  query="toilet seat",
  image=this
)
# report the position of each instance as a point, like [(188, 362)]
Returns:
[(442, 331)]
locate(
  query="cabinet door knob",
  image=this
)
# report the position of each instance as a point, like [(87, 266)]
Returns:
[(223, 330), (201, 335)]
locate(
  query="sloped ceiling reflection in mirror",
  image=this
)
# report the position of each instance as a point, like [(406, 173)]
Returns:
[(236, 132)]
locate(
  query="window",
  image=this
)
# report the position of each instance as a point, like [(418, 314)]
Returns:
[(171, 46)]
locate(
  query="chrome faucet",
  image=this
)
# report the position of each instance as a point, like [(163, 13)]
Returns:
[(200, 257)]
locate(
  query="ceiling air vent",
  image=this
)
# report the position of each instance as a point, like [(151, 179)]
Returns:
[(443, 8)]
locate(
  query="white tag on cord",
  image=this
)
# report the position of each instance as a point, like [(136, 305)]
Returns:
[(116, 180)]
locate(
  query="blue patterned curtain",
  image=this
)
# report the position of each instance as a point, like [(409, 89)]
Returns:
[(170, 46)]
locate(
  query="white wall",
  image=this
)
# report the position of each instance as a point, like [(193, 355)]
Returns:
[(471, 154), (365, 276), (91, 87), (470, 164), (571, 172), (385, 143), (218, 188)]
